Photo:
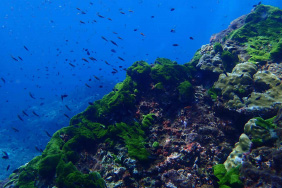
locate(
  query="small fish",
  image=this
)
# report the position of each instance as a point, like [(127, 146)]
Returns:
[(172, 9), (67, 116), (92, 58), (88, 53), (120, 38), (6, 156), (241, 75), (90, 103), (68, 107), (104, 38), (37, 149), (122, 12), (20, 118), (87, 85), (20, 58), (82, 12), (63, 96), (82, 22), (191, 38), (175, 44), (14, 129), (121, 58), (130, 11), (97, 78), (3, 80), (107, 63), (278, 84), (35, 114), (110, 19), (172, 30), (135, 29), (99, 15), (26, 48), (25, 113), (71, 64), (14, 58), (8, 167), (31, 95), (48, 134), (100, 86), (114, 43), (115, 33), (85, 60), (142, 34)]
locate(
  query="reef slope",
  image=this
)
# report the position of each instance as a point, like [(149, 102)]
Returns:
[(212, 122)]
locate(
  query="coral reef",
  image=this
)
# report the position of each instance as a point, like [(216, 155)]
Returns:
[(171, 125)]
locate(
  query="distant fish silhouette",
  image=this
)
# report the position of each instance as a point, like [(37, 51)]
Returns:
[(26, 48), (67, 116), (63, 96), (6, 156), (31, 95), (35, 114), (20, 118)]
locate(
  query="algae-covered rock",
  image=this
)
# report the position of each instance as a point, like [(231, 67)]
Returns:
[(238, 82), (261, 131), (261, 33), (236, 156)]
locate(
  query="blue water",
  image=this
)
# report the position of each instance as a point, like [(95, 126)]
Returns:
[(57, 33)]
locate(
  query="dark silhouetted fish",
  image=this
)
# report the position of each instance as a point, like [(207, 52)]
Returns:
[(99, 15), (8, 167), (87, 85), (14, 129), (6, 156), (96, 77), (175, 45), (114, 43), (25, 113), (121, 58), (172, 9), (92, 58), (20, 118), (31, 95), (3, 80), (26, 48), (104, 38), (68, 107), (71, 64), (85, 60), (191, 38), (48, 134), (112, 50), (35, 114), (67, 116), (63, 96), (20, 58), (82, 22), (14, 58)]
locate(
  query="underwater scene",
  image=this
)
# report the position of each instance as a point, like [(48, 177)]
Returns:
[(141, 94)]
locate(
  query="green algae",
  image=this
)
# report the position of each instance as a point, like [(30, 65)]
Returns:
[(261, 33), (148, 121), (132, 136), (108, 120), (229, 60), (217, 47), (229, 178), (186, 91)]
